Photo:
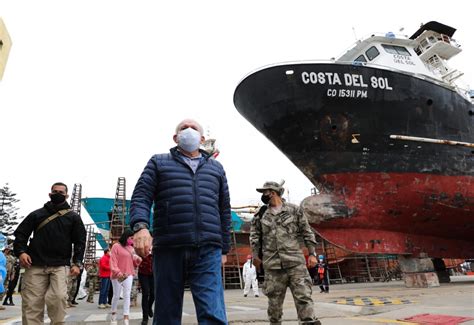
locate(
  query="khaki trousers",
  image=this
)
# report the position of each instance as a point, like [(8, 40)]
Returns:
[(42, 285)]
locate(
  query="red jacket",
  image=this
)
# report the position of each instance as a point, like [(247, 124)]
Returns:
[(104, 266)]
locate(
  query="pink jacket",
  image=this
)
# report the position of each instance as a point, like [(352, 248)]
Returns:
[(123, 260)]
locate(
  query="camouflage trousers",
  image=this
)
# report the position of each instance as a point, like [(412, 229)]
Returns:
[(299, 281), (92, 288), (134, 292), (71, 287)]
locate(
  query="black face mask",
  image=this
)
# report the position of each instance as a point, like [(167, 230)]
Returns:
[(265, 198), (57, 198)]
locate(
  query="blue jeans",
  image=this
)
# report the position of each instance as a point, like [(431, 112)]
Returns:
[(201, 266), (104, 290)]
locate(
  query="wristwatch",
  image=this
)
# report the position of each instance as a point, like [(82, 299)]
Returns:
[(139, 226)]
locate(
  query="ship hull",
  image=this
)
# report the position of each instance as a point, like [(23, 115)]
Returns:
[(377, 194)]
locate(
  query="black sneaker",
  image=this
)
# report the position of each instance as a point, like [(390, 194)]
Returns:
[(150, 313)]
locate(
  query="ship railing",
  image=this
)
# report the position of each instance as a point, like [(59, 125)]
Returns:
[(430, 140), (389, 68)]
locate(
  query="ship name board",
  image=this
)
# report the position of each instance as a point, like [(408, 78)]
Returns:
[(346, 79), (402, 59)]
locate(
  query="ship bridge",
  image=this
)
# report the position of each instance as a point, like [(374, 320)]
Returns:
[(435, 46), (425, 53)]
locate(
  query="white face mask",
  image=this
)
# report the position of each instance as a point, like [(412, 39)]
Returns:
[(189, 140)]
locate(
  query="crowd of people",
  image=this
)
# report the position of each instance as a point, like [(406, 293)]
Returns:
[(191, 239)]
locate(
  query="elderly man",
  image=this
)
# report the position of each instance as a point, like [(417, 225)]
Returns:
[(191, 226), (274, 235), (47, 256)]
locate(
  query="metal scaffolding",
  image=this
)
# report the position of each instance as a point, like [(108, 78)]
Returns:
[(119, 211)]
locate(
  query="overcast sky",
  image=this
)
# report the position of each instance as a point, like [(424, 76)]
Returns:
[(93, 89)]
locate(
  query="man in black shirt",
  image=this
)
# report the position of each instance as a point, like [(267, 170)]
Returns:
[(47, 256)]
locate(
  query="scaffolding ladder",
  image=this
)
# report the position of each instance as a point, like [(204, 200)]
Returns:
[(119, 211), (76, 198), (75, 203), (335, 275), (231, 274), (90, 252)]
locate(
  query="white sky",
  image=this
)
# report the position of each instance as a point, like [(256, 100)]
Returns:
[(94, 88)]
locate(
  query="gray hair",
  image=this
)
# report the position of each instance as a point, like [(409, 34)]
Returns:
[(199, 127)]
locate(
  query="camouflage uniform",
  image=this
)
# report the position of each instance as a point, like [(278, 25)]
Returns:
[(134, 291), (276, 234), (11, 260), (93, 277), (71, 289)]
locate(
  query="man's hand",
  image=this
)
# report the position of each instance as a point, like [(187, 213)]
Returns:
[(25, 260), (312, 261), (142, 242), (75, 270), (224, 259)]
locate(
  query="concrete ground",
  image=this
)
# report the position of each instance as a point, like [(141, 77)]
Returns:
[(355, 303)]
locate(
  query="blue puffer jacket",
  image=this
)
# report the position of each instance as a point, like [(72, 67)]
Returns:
[(191, 209)]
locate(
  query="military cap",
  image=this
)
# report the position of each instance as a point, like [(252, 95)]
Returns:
[(274, 186)]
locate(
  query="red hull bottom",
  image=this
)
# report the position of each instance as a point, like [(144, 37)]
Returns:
[(391, 213)]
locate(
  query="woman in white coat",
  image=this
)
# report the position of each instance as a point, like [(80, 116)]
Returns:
[(250, 277)]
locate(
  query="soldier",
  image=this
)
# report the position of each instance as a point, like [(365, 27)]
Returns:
[(10, 270), (93, 276), (134, 291), (274, 236)]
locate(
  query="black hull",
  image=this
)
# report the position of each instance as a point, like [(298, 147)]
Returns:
[(316, 131), (335, 121)]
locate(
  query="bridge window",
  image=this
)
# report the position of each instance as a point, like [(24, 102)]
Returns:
[(372, 53), (360, 58), (394, 49)]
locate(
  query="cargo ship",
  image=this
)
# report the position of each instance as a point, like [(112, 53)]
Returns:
[(385, 133)]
